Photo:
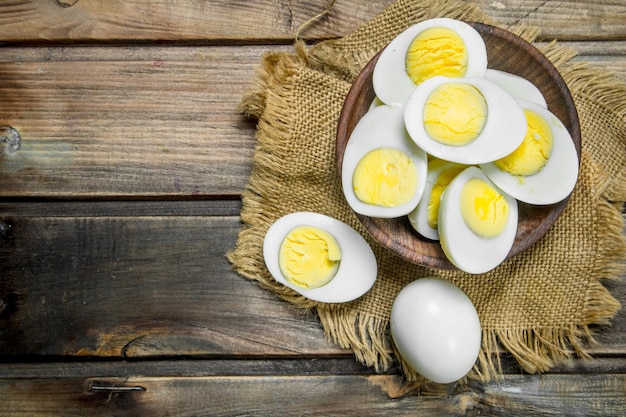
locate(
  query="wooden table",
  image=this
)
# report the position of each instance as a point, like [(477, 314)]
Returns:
[(116, 297)]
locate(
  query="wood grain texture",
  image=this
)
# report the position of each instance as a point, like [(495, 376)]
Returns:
[(564, 20), (571, 395), (223, 21), (138, 286), (155, 122), (143, 127), (218, 21), (336, 364)]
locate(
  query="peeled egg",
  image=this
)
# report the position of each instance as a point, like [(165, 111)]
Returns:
[(468, 121), (556, 179), (424, 218), (433, 47), (518, 87), (436, 329), (319, 257), (477, 222), (375, 103), (383, 171)]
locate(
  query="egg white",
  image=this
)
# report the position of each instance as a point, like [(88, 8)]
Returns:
[(464, 249), (502, 134), (418, 218), (390, 79), (382, 126), (436, 329), (556, 180), (357, 268), (375, 103), (518, 87)]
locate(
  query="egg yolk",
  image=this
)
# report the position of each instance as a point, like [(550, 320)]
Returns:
[(309, 257), (385, 177), (533, 154), (455, 114), (434, 201), (436, 51), (485, 211)]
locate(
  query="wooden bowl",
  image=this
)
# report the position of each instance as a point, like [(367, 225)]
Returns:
[(506, 52)]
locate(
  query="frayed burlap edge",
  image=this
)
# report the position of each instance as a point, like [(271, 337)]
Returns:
[(348, 329), (274, 122), (536, 350), (365, 334)]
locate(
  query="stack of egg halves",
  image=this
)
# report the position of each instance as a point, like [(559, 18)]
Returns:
[(454, 145)]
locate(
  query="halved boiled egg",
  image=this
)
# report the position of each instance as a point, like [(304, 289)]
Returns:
[(477, 222), (425, 217), (384, 171), (467, 120), (518, 87), (433, 47), (544, 168), (375, 103), (319, 257)]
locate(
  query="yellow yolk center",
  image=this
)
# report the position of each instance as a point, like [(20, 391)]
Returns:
[(385, 177), (455, 114), (484, 210), (434, 201), (309, 257), (436, 51), (533, 154)]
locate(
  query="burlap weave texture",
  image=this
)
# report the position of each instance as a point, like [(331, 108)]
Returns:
[(539, 305)]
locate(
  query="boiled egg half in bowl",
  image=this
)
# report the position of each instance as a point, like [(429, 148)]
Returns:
[(544, 168), (467, 121), (384, 171), (425, 217), (434, 47), (477, 222), (518, 87)]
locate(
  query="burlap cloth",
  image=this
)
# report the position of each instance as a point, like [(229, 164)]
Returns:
[(539, 306)]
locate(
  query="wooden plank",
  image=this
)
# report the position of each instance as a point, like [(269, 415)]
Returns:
[(164, 367), (138, 208), (223, 21), (253, 366), (143, 128), (608, 56), (564, 20), (107, 122), (374, 395), (139, 286), (220, 21)]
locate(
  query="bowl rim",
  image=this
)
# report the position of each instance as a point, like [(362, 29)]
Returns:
[(348, 119)]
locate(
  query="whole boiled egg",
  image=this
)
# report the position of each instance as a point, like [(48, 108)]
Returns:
[(425, 217), (383, 171), (433, 47), (319, 257), (544, 168), (467, 121), (477, 222), (436, 329)]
